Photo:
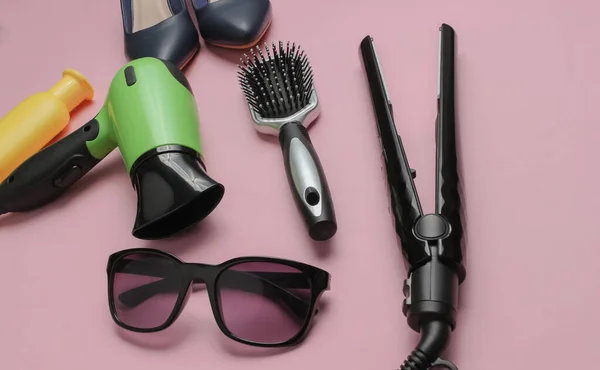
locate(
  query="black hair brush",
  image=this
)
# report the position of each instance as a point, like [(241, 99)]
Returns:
[(278, 86)]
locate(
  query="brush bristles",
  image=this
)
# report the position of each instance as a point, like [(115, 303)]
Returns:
[(277, 84)]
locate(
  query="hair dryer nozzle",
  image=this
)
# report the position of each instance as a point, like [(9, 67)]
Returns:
[(174, 192)]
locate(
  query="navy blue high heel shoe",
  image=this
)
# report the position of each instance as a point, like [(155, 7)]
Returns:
[(161, 29), (233, 24)]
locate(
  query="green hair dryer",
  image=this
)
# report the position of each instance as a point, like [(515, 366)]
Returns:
[(150, 114)]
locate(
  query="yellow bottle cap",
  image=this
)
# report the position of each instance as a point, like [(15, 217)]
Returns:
[(72, 89)]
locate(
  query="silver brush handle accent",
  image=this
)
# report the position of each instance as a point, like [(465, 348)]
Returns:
[(307, 181)]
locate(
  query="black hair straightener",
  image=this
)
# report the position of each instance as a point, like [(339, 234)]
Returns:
[(431, 243)]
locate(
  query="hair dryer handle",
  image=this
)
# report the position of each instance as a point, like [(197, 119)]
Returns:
[(307, 181), (46, 175)]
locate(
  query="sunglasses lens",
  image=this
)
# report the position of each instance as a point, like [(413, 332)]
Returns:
[(264, 302), (145, 290)]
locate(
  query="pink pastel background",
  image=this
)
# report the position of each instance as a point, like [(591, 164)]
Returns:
[(529, 132)]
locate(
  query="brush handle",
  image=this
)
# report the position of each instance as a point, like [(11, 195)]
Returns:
[(307, 181)]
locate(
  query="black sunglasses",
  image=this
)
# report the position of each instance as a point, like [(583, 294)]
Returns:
[(260, 301)]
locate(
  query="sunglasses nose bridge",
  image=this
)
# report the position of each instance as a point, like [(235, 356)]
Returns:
[(201, 273)]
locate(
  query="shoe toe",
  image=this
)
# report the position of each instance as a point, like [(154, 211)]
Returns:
[(175, 40), (234, 23)]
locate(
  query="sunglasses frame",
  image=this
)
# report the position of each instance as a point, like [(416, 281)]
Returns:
[(319, 279)]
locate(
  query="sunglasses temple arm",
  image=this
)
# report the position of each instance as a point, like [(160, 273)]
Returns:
[(170, 283), (290, 280), (278, 292), (138, 295)]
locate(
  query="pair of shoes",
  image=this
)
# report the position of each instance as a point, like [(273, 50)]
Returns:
[(164, 29)]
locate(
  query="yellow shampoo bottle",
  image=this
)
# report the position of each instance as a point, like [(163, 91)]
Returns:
[(32, 124)]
